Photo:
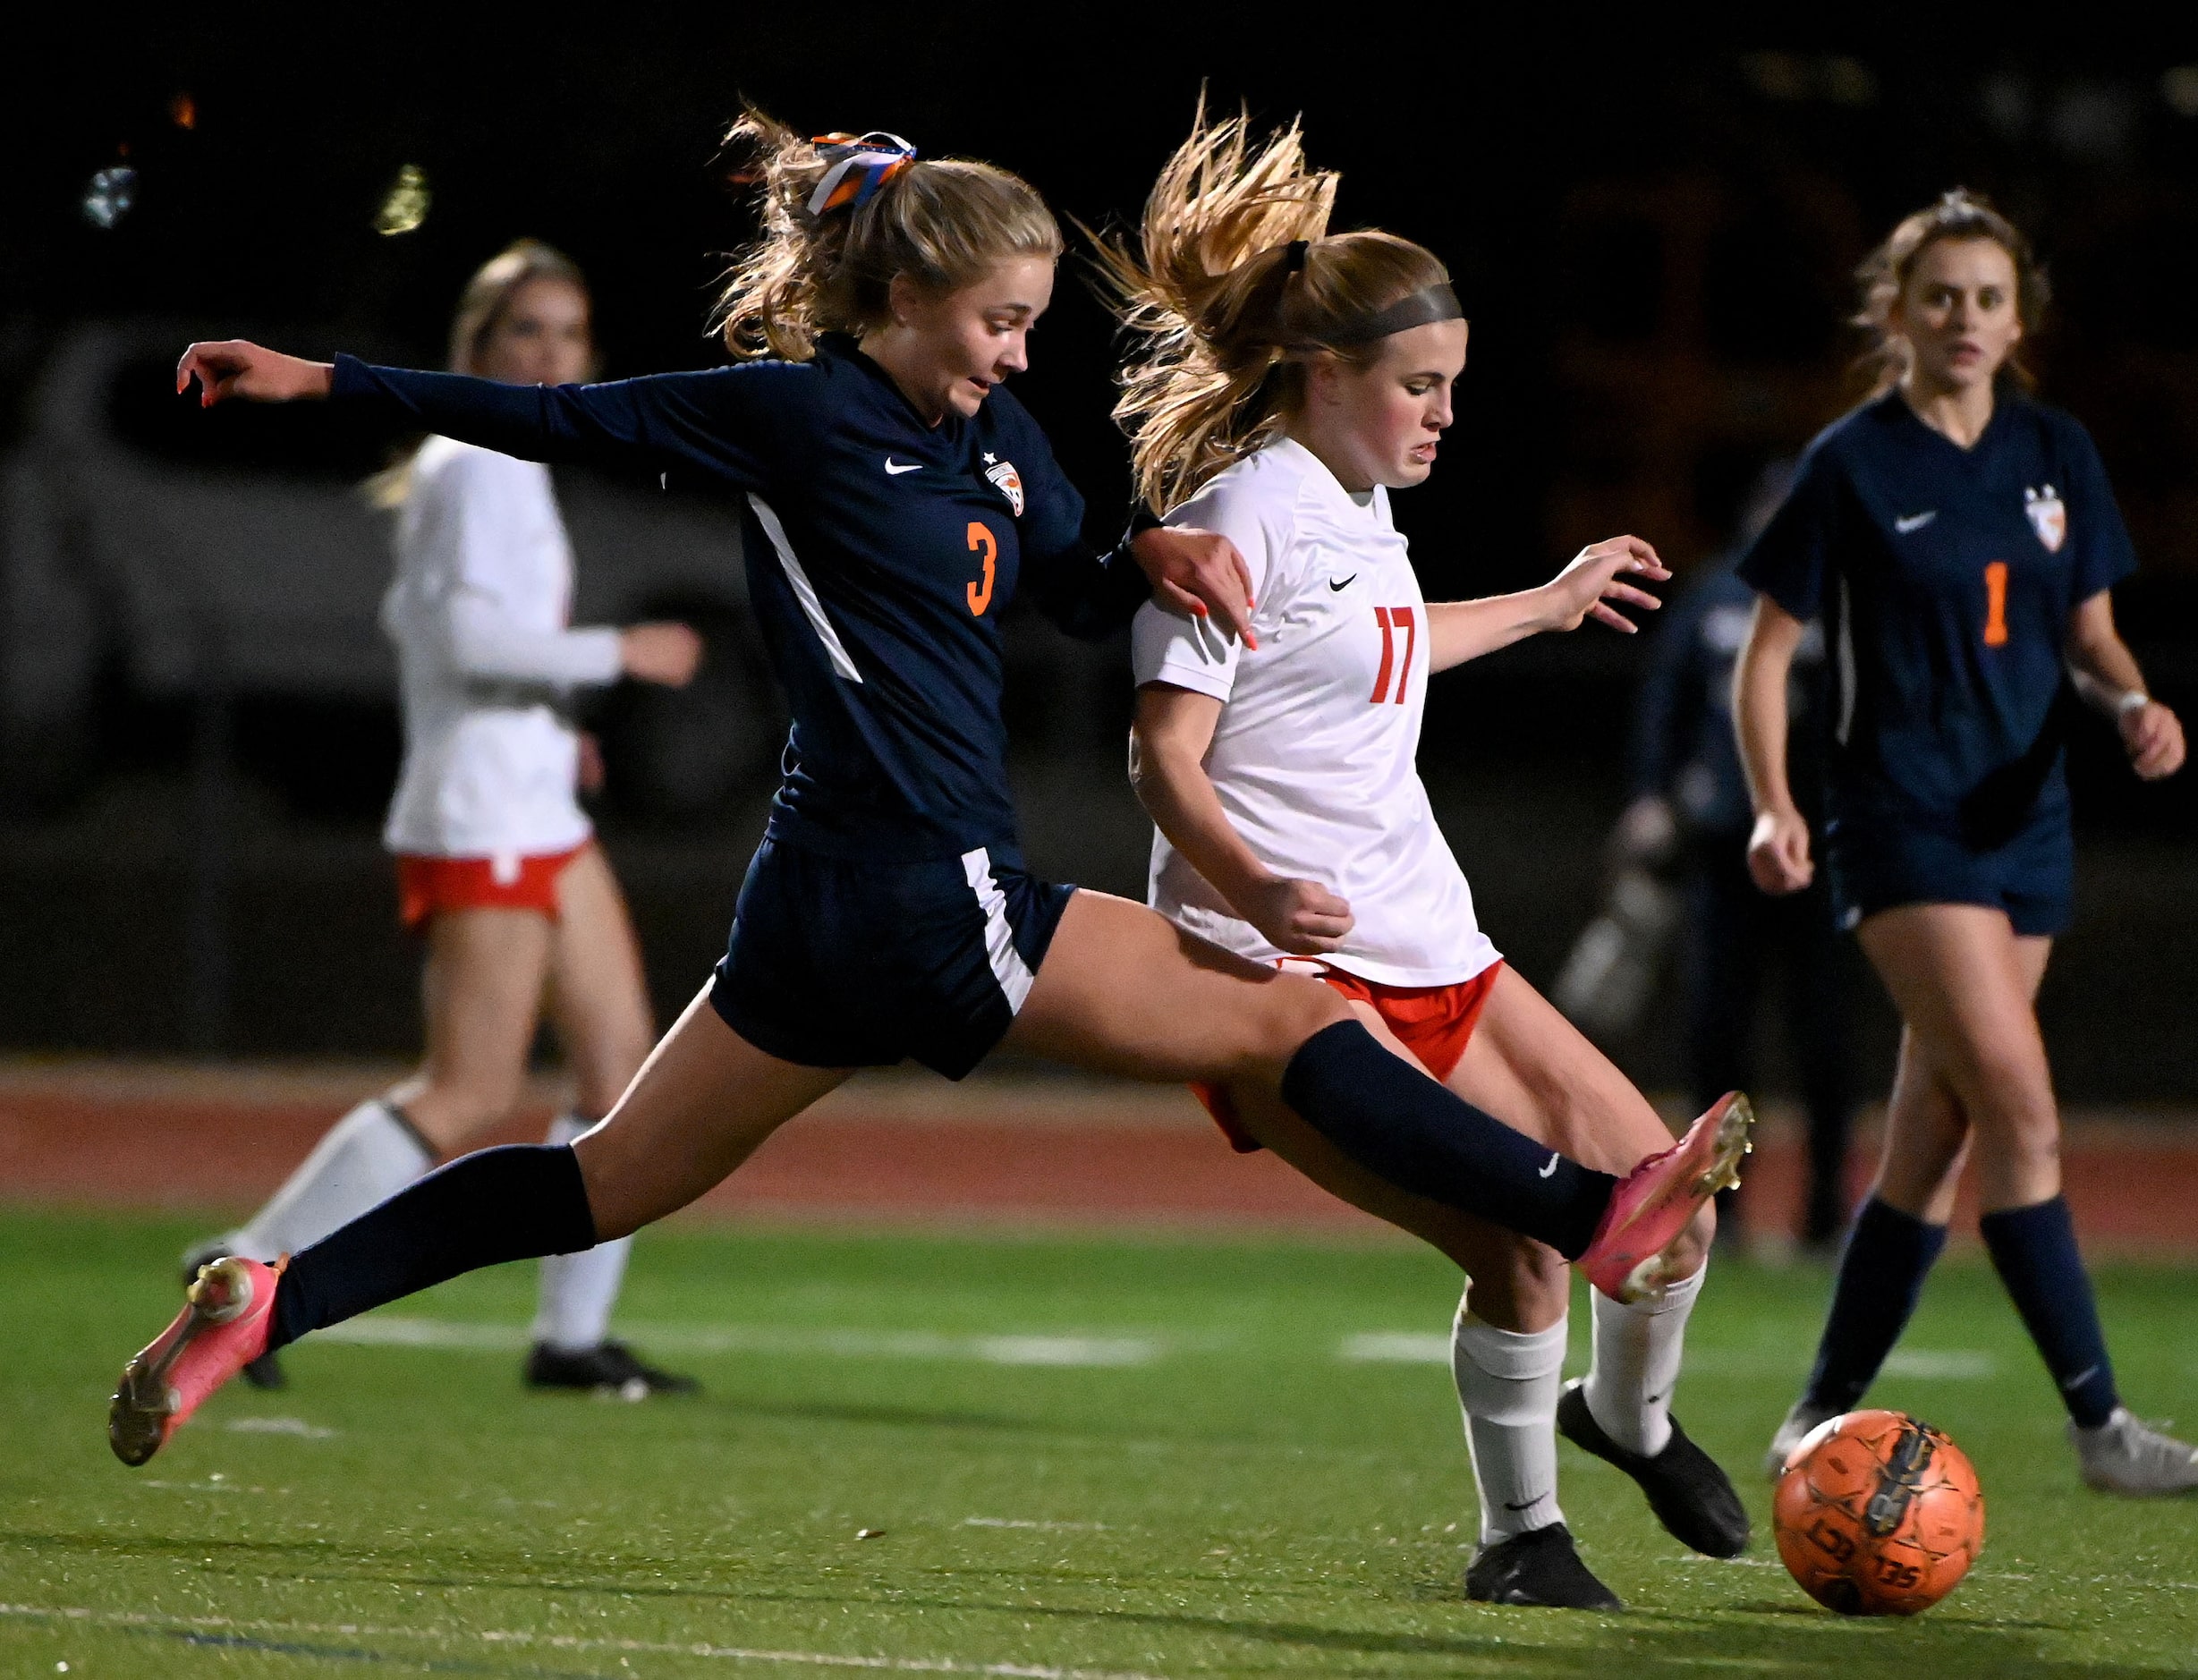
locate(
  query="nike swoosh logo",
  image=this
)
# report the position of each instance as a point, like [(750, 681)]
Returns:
[(1554, 1158), (1345, 584), (1914, 522), (1528, 1506), (2079, 1380), (898, 467)]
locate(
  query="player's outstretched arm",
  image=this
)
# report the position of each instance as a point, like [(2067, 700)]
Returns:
[(236, 367), (1597, 577), (1779, 848), (1168, 741), (2107, 675)]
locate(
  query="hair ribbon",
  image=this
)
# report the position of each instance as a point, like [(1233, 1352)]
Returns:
[(859, 165)]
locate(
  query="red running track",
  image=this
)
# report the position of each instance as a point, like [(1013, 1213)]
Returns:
[(899, 1149)]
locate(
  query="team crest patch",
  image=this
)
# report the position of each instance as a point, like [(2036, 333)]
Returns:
[(1007, 481), (2049, 516)]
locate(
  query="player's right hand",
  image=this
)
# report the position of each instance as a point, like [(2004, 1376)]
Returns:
[(1778, 856), (1198, 574), (667, 655), (1302, 918), (235, 366)]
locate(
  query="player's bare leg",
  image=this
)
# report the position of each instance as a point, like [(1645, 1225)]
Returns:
[(598, 1000), (704, 1101)]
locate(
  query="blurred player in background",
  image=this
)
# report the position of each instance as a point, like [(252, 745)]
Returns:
[(1690, 816), (1290, 380), (496, 864), (1960, 540)]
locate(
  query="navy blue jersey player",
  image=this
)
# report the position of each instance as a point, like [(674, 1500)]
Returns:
[(1959, 540), (896, 499)]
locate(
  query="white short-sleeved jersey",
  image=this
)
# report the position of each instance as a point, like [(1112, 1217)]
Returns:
[(485, 657), (1313, 756)]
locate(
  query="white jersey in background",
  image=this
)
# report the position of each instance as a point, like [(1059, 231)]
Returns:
[(485, 658), (1313, 755)]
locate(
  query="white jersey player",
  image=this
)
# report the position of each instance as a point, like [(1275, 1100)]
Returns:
[(1291, 380), (487, 663), (496, 864), (1314, 753)]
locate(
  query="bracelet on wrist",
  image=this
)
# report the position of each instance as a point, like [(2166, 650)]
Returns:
[(2136, 701)]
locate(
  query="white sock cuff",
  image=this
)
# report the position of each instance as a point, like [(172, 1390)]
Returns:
[(1509, 1355), (1677, 1297)]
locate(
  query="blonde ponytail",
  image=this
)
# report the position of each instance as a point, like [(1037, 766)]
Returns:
[(1233, 286), (843, 214)]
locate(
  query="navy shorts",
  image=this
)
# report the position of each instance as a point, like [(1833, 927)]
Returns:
[(845, 962), (1879, 862)]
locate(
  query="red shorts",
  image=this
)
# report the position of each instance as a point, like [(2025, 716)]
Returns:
[(1434, 1022), (427, 886)]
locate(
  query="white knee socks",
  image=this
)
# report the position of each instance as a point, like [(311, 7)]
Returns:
[(1507, 1384), (579, 1290), (365, 1158), (1637, 1353)]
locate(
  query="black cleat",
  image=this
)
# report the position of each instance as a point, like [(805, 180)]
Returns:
[(267, 1371), (1691, 1496), (608, 1368), (1537, 1567)]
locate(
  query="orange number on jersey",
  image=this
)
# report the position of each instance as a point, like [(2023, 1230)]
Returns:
[(1996, 604), (980, 538), (1392, 619)]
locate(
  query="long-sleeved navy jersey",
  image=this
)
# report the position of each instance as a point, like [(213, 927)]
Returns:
[(880, 552)]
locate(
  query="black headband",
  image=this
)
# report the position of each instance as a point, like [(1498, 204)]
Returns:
[(1437, 303)]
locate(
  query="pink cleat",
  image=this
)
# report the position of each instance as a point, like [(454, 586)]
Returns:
[(222, 1329), (1655, 1201)]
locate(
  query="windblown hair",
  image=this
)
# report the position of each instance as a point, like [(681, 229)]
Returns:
[(481, 309), (1884, 276), (942, 222), (1223, 313)]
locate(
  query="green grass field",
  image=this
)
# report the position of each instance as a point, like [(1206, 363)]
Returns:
[(1109, 1457)]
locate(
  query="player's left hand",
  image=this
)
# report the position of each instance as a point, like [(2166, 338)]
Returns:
[(1586, 588), (1198, 573), (2153, 736)]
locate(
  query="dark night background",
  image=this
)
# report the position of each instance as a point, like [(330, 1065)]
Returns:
[(1654, 247)]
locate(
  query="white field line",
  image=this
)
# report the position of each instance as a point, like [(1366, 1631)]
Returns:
[(1431, 1347), (1075, 1352), (1025, 1522), (1396, 1347), (557, 1641), (298, 1427)]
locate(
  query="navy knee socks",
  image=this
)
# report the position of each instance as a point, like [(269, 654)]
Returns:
[(518, 1202), (1395, 1121), (2034, 1251), (1887, 1256)]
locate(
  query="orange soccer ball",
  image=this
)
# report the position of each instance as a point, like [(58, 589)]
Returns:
[(1878, 1515)]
